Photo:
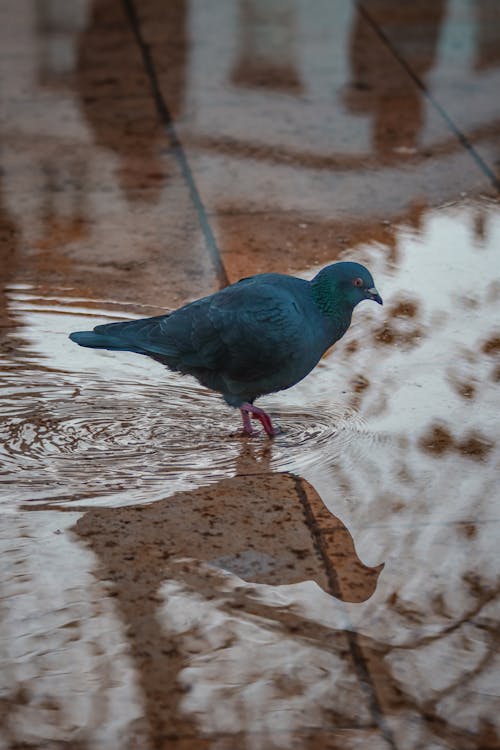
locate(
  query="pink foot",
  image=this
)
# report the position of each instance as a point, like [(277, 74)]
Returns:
[(248, 412)]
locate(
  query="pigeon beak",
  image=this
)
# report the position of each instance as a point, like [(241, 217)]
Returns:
[(374, 295)]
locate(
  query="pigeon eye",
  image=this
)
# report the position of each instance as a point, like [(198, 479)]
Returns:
[(358, 282)]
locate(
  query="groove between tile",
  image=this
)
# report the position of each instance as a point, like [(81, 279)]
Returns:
[(359, 661), (176, 145)]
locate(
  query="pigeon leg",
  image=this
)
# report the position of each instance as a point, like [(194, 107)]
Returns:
[(250, 411), (247, 424)]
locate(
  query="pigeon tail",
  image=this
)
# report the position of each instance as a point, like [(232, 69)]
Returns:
[(94, 340)]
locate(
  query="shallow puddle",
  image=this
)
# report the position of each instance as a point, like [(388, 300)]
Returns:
[(416, 378), (395, 430)]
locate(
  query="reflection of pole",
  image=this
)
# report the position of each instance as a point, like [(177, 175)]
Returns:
[(267, 51), (58, 23)]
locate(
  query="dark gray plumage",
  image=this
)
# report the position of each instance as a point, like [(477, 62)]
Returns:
[(260, 335)]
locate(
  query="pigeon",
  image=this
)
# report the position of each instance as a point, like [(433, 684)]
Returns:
[(259, 335)]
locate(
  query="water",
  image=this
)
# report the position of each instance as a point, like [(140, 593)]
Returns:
[(120, 429), (165, 582), (140, 553)]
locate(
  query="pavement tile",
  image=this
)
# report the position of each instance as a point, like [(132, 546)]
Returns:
[(338, 146), (252, 526), (91, 183), (350, 579)]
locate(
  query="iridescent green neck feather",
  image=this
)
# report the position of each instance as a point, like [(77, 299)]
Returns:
[(329, 297), (333, 304)]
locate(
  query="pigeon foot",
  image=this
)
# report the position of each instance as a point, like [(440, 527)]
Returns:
[(248, 412)]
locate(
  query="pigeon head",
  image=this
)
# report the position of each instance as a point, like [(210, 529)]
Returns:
[(343, 283)]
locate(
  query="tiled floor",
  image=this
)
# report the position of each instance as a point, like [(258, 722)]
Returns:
[(167, 583)]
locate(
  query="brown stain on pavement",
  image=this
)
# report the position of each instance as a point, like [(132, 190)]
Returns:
[(491, 346), (438, 440)]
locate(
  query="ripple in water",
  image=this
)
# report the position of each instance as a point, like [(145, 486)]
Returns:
[(87, 431)]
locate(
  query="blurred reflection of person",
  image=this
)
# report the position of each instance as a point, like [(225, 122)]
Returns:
[(115, 94), (380, 84)]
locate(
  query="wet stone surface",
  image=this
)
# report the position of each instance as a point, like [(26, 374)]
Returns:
[(166, 582)]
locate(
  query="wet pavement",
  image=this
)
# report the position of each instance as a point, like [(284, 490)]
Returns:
[(166, 582)]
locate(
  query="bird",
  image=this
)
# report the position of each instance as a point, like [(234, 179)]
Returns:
[(260, 335)]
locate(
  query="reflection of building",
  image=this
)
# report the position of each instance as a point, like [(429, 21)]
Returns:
[(310, 150), (92, 184), (302, 116)]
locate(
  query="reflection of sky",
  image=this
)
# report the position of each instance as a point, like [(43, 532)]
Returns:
[(243, 674), (450, 273), (61, 642), (398, 499)]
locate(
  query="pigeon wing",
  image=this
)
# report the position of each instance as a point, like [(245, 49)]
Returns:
[(245, 331), (258, 328)]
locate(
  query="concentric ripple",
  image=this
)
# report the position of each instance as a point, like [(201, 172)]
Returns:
[(115, 428)]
